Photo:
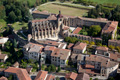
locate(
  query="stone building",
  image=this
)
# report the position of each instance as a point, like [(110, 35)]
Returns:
[(97, 66), (101, 50), (38, 14), (33, 51), (59, 57), (43, 75), (114, 43), (54, 25), (47, 28), (17, 73)]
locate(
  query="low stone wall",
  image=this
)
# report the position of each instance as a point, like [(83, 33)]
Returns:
[(88, 38), (21, 41)]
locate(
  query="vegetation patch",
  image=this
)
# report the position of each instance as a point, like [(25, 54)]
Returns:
[(53, 8), (19, 25), (84, 31)]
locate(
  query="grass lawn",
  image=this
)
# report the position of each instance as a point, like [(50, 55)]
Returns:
[(19, 25), (2, 25), (53, 8), (107, 1)]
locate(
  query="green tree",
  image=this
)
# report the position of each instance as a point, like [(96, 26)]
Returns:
[(92, 43), (51, 68), (94, 30), (10, 77), (12, 17), (57, 78), (15, 43), (118, 48), (91, 79), (96, 78), (2, 12), (111, 78)]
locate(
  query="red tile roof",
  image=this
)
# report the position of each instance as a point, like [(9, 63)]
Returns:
[(22, 74), (3, 78), (110, 27), (50, 48), (50, 77), (80, 46), (77, 30), (89, 66), (41, 75), (71, 75), (70, 45), (102, 48)]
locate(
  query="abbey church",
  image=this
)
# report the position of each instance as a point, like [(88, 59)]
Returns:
[(52, 25)]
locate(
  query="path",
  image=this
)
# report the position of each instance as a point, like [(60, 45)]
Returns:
[(68, 4)]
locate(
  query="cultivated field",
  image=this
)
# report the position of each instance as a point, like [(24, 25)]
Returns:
[(107, 1), (54, 8)]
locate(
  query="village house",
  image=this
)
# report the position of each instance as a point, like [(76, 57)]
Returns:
[(75, 76), (75, 58), (48, 50), (32, 51), (29, 70), (16, 65), (3, 40), (2, 71), (79, 47), (43, 75), (17, 73), (3, 78), (52, 43), (98, 66), (114, 43), (3, 57), (102, 50), (59, 57)]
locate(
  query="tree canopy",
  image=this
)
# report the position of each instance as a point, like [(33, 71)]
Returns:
[(94, 30)]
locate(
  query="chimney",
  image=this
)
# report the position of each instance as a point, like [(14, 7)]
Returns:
[(29, 37), (59, 12)]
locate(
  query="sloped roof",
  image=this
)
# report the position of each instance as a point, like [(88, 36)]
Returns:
[(71, 75), (79, 45), (3, 78), (22, 74), (77, 30), (102, 48), (83, 76), (41, 75)]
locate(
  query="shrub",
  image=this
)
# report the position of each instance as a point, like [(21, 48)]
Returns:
[(111, 47)]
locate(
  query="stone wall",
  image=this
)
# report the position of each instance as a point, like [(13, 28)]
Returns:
[(88, 38), (114, 43)]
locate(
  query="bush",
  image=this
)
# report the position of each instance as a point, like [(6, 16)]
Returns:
[(94, 30), (51, 68), (59, 69), (92, 43), (111, 47), (57, 78), (118, 48)]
